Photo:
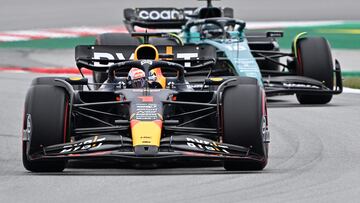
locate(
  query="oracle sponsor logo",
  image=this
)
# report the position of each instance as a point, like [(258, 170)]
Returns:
[(206, 145), (120, 56), (85, 145)]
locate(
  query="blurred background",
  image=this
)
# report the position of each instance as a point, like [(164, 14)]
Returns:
[(35, 33)]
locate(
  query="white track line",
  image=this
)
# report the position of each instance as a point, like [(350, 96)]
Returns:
[(42, 34), (350, 90), (13, 38), (285, 24), (24, 35)]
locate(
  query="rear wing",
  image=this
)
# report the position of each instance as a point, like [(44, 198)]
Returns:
[(98, 57), (162, 18)]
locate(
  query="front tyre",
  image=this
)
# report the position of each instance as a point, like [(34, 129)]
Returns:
[(45, 123), (245, 123), (315, 61)]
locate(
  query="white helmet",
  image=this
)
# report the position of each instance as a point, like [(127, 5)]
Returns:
[(136, 78)]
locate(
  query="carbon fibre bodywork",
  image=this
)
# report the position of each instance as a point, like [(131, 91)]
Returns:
[(144, 125)]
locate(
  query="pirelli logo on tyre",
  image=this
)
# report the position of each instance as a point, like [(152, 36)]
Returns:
[(28, 128)]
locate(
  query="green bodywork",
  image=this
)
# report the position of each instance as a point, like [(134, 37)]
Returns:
[(235, 48)]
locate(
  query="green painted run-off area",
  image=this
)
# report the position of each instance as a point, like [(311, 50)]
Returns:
[(344, 36)]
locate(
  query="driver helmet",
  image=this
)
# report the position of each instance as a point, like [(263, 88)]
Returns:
[(136, 78), (210, 31)]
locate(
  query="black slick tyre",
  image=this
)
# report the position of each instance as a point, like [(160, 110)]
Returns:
[(315, 61), (244, 122), (45, 120)]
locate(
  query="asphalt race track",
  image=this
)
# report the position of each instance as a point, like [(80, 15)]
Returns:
[(314, 154)]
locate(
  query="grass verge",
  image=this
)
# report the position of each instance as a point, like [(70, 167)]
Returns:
[(352, 82)]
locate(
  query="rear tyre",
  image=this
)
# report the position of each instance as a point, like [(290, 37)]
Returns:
[(244, 123), (46, 116), (315, 61), (112, 39)]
